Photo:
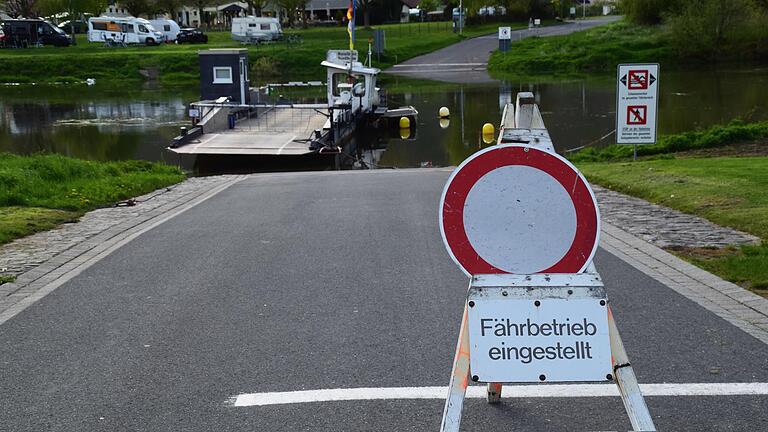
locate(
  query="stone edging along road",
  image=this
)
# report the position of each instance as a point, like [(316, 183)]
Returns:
[(46, 260)]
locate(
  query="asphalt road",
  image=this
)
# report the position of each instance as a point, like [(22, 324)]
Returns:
[(308, 281), (466, 61)]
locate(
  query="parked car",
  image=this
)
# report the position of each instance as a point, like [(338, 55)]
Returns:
[(22, 33), (169, 28), (81, 27), (126, 30), (253, 29), (2, 37), (191, 35)]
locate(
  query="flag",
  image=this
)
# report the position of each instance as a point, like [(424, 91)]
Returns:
[(351, 24)]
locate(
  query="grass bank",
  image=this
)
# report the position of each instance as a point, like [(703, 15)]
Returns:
[(598, 49), (39, 192), (714, 137), (178, 63), (727, 190)]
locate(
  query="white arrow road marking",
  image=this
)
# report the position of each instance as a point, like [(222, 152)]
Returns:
[(509, 391)]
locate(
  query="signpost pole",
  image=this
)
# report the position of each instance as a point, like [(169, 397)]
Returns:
[(634, 153)]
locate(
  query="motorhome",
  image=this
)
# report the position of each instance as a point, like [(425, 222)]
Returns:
[(169, 28), (22, 33), (253, 29), (128, 30)]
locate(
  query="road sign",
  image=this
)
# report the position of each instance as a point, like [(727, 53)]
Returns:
[(637, 103), (554, 337), (519, 210), (505, 33)]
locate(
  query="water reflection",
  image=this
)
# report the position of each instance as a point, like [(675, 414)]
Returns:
[(89, 123), (105, 123)]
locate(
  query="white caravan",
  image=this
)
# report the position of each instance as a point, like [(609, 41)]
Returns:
[(127, 30), (253, 29), (169, 28)]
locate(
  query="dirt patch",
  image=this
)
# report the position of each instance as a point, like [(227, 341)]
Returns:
[(755, 148), (702, 252)]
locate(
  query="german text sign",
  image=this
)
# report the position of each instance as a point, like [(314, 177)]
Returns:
[(552, 339), (636, 103)]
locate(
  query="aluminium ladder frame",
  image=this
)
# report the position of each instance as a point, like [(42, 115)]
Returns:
[(623, 374)]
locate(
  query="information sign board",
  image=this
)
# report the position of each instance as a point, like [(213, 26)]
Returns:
[(636, 103), (525, 340)]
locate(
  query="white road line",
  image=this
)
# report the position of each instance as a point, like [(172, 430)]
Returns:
[(509, 391), (437, 64)]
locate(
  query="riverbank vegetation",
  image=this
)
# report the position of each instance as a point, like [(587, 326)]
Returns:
[(41, 191), (179, 64), (674, 33), (720, 174), (736, 132)]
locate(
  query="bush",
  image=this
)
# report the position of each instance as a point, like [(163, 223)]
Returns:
[(719, 29), (649, 11)]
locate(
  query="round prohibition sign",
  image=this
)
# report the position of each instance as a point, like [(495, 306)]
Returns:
[(520, 210)]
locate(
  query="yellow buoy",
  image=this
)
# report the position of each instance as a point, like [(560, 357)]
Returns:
[(405, 133), (444, 123), (405, 123), (444, 112), (488, 129)]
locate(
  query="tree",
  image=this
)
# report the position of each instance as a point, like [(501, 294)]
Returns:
[(21, 8), (292, 9), (166, 7), (428, 5), (75, 10), (200, 4), (365, 8), (255, 6)]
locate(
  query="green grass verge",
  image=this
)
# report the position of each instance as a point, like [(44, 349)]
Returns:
[(717, 136), (179, 64), (41, 191), (729, 191), (595, 50)]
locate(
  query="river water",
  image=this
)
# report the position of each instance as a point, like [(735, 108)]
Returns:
[(103, 123)]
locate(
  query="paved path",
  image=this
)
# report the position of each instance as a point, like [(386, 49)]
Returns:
[(467, 61), (274, 284)]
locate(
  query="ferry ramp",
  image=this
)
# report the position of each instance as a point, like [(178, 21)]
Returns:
[(272, 131)]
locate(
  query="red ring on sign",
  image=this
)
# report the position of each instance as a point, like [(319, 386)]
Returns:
[(454, 198)]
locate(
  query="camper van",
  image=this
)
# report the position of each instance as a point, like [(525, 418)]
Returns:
[(127, 30), (22, 33), (169, 28), (256, 29)]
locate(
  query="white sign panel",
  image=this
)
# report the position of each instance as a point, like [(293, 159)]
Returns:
[(573, 10), (537, 22), (514, 340), (637, 103), (341, 56), (505, 33), (194, 112)]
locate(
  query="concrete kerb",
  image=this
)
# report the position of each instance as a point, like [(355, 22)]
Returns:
[(38, 282), (742, 308)]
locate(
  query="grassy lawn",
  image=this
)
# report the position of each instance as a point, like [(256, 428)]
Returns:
[(729, 191), (178, 63), (39, 192)]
